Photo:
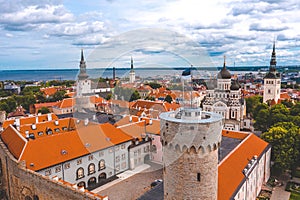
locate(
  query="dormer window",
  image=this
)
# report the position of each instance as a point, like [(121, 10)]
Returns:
[(40, 133), (57, 130), (49, 131)]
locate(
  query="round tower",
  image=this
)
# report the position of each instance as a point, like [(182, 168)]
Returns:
[(190, 140)]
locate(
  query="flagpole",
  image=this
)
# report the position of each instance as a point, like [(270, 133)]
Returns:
[(191, 87)]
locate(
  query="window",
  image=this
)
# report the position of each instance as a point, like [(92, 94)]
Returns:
[(81, 184), (49, 131), (91, 157), (79, 161), (91, 168), (101, 153), (67, 165), (110, 150), (269, 91), (139, 151), (117, 148), (123, 165), (40, 133), (48, 172), (101, 164), (57, 169), (57, 130), (198, 177), (123, 156), (153, 149), (80, 173), (117, 168), (64, 128), (135, 153), (117, 158), (123, 146), (146, 149)]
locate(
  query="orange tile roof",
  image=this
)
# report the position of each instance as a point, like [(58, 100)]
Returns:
[(231, 167), (48, 104), (30, 120), (69, 145), (47, 151), (126, 120), (96, 100), (153, 128), (135, 130), (14, 141), (234, 134), (49, 90), (66, 103), (285, 95)]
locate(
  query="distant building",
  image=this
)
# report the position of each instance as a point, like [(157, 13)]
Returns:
[(272, 81), (224, 96), (11, 86), (131, 73)]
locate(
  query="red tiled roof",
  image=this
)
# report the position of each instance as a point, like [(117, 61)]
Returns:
[(49, 91), (48, 104), (66, 103), (231, 167)]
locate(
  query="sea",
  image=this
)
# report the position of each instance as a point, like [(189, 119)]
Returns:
[(144, 73)]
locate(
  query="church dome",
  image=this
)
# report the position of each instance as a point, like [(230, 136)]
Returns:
[(224, 73)]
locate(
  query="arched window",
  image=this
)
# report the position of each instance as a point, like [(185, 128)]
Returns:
[(80, 173), (81, 184), (101, 164), (91, 168), (153, 149)]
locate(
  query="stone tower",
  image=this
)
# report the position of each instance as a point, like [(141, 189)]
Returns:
[(190, 139), (131, 73), (272, 81)]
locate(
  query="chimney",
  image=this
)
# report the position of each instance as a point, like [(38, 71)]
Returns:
[(130, 118), (36, 119), (86, 121), (150, 121), (49, 116)]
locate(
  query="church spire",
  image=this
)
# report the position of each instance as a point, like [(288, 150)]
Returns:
[(82, 74), (131, 66), (82, 57), (224, 65), (273, 59)]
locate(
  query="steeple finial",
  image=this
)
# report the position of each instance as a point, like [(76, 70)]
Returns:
[(224, 65)]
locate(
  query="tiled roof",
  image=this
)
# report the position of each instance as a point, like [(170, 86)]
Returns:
[(135, 130), (97, 100), (48, 104), (231, 167), (49, 90), (51, 142), (19, 112), (66, 103), (14, 141), (31, 119)]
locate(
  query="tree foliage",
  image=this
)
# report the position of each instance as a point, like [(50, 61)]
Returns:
[(252, 102), (44, 110), (126, 94), (285, 140), (154, 85)]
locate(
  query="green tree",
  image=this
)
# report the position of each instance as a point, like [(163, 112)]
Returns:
[(150, 98), (257, 108), (262, 120), (285, 139), (59, 95), (252, 102), (4, 107), (295, 110), (44, 110), (154, 85), (135, 96), (168, 99)]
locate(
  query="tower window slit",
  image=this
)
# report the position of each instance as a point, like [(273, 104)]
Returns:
[(198, 177)]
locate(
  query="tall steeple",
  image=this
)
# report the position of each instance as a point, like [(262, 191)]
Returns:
[(131, 73), (82, 74), (131, 66), (273, 59)]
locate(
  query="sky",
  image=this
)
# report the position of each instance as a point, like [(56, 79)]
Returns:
[(49, 34)]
